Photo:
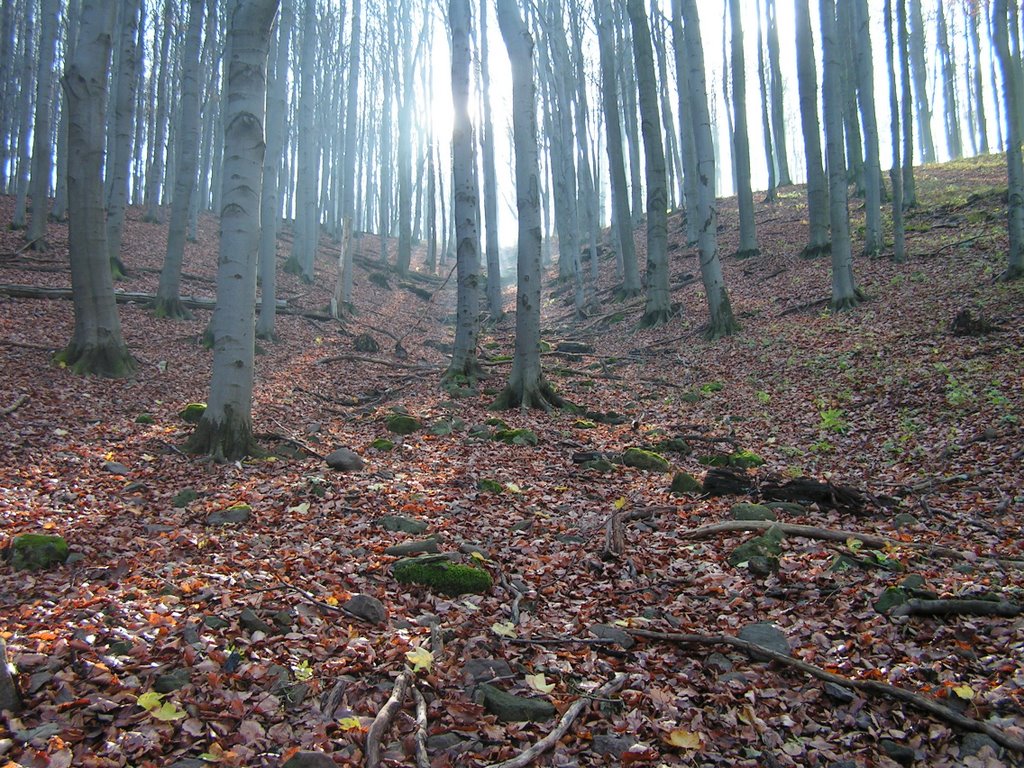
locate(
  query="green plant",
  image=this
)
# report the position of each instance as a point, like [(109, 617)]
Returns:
[(957, 393), (822, 446), (763, 397), (833, 420)]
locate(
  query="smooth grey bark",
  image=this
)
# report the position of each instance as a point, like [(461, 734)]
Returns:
[(627, 83), (491, 246), (777, 89), (720, 318), (622, 220), (60, 202), (23, 153), (673, 160), (8, 46), (404, 256), (307, 215), (526, 385), (978, 93), (844, 290), (766, 126), (1015, 169), (848, 89), (42, 149), (97, 346), (865, 75), (817, 185), (119, 126), (951, 113), (463, 369), (899, 247), (225, 431), (388, 70), (919, 75), (139, 137), (686, 133), (906, 108), (154, 177), (349, 187), (168, 299), (741, 144), (658, 308)]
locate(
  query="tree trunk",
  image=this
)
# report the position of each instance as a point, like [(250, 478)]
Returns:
[(978, 94), (741, 144), (899, 248), (817, 187), (766, 126), (627, 79), (97, 346), (1015, 170), (154, 178), (687, 140), (659, 308), (404, 256), (24, 113), (526, 385), (721, 321), (866, 100), (60, 202), (844, 290), (778, 113), (8, 46), (848, 88), (42, 149), (492, 248), (349, 188), (919, 72), (225, 431), (388, 75), (306, 227), (906, 108), (951, 116)]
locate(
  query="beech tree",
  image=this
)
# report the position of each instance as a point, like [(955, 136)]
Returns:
[(865, 75), (225, 431), (741, 143), (1014, 110), (490, 186), (97, 346), (899, 248), (817, 186), (42, 155)]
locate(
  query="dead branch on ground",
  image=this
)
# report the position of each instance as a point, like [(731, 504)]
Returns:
[(918, 607), (20, 401), (385, 717)]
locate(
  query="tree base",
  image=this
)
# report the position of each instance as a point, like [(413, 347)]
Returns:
[(747, 253), (816, 250), (540, 395), (462, 376), (270, 336), (654, 317), (225, 441), (110, 361), (118, 270), (1010, 274), (170, 309), (625, 294), (293, 267), (848, 302), (721, 327)]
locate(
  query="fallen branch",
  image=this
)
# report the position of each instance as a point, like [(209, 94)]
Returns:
[(918, 607), (385, 717), (377, 361), (422, 757), (869, 686), (804, 306), (528, 756), (614, 535), (20, 401), (830, 534)]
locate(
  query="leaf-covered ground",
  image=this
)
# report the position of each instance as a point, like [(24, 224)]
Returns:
[(884, 399)]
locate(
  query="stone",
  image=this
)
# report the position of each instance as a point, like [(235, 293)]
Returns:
[(649, 461), (37, 551), (367, 607), (614, 634), (248, 619), (310, 760), (684, 482), (745, 511), (610, 745), (758, 565), (171, 681), (839, 693), (413, 547), (115, 468), (574, 347), (973, 743), (443, 742), (402, 424), (283, 620), (515, 709), (768, 545), (905, 520), (745, 460), (485, 670), (192, 413), (441, 428), (216, 622), (901, 753), (382, 444), (10, 699), (438, 573), (486, 485), (516, 436), (737, 677), (890, 598), (766, 636), (479, 431), (718, 662), (184, 497), (239, 513), (344, 460), (397, 523), (364, 342)]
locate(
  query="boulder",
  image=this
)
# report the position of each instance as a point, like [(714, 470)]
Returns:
[(413, 547), (116, 468), (485, 670), (649, 461), (364, 342), (37, 551), (767, 636), (344, 460), (745, 511), (402, 424), (239, 513), (614, 634), (401, 524), (684, 482), (515, 709), (250, 621), (516, 436), (438, 573), (192, 413), (367, 607)]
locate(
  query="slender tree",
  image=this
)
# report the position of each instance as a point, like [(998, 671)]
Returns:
[(225, 431), (490, 184), (817, 185), (686, 133), (24, 116), (404, 256), (973, 11), (42, 151), (97, 346), (865, 75), (777, 88), (766, 125), (349, 186), (1014, 109), (906, 108), (919, 74), (307, 216), (155, 174), (899, 248), (741, 144), (951, 112), (526, 385)]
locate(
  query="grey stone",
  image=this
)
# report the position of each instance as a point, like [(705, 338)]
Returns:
[(216, 622), (171, 681), (469, 548), (515, 709), (759, 565), (483, 670), (719, 662), (902, 754), (839, 693), (401, 524), (413, 547), (344, 460), (116, 468), (738, 677), (9, 697), (159, 528), (767, 636), (443, 742), (248, 619), (310, 760), (367, 607), (39, 735), (790, 507), (230, 516), (905, 520), (745, 511), (973, 743), (614, 634), (609, 745)]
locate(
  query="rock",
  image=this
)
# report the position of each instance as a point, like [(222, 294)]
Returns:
[(145, 418), (413, 547), (584, 424), (745, 511), (364, 342), (758, 565), (609, 745), (441, 428), (745, 460), (839, 693), (516, 436), (310, 760), (479, 431), (574, 347), (515, 709), (248, 619), (523, 525), (397, 523), (905, 520), (344, 460), (10, 699), (438, 573), (767, 636), (472, 549), (382, 444), (216, 622), (192, 413), (443, 742), (172, 681), (890, 598), (116, 468), (599, 465), (614, 634), (673, 444), (726, 481), (184, 497), (37, 551), (912, 581), (367, 607), (902, 754), (283, 620), (684, 482), (768, 545), (485, 670), (645, 460), (730, 677), (719, 662), (789, 507), (973, 743), (239, 513), (486, 485), (402, 424)]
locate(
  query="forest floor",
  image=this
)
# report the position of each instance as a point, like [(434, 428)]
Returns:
[(885, 402)]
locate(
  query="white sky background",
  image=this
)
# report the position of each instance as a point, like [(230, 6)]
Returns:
[(712, 18)]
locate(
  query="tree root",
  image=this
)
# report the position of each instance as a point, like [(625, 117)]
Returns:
[(111, 361), (422, 757), (170, 309), (385, 717), (540, 396), (529, 756), (19, 401)]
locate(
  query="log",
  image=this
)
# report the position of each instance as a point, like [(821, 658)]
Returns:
[(825, 494), (919, 607), (384, 718)]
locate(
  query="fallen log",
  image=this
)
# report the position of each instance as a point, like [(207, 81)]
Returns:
[(957, 607), (825, 494), (384, 718)]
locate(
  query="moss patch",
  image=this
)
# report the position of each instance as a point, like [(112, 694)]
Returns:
[(402, 424), (441, 575), (516, 436), (36, 551), (192, 413), (645, 460)]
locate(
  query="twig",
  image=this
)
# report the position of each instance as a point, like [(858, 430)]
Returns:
[(422, 758), (919, 607), (20, 401), (614, 536), (871, 686), (528, 756), (384, 718), (805, 305), (289, 441)]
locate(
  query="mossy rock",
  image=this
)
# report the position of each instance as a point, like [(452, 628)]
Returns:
[(745, 511), (599, 465), (402, 424), (673, 444), (890, 598), (37, 551), (684, 482), (489, 486), (184, 497), (364, 342), (714, 460), (767, 545), (584, 424), (691, 397), (515, 709), (192, 413), (439, 574), (382, 444), (494, 421), (516, 436), (441, 428), (648, 461), (145, 418), (380, 279), (745, 459)]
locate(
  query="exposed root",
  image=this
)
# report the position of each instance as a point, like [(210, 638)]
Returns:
[(111, 361), (170, 309)]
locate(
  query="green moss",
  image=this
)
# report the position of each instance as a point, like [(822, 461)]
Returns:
[(646, 460), (443, 576), (496, 422), (516, 436), (36, 551), (402, 424), (712, 386), (684, 482), (145, 418), (183, 498), (745, 459), (192, 413), (584, 424), (714, 460), (673, 444), (489, 486), (382, 444)]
